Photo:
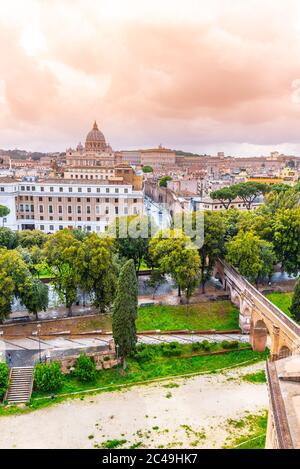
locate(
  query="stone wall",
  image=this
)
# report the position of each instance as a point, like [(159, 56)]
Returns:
[(104, 359)]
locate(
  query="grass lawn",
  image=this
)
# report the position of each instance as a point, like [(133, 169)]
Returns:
[(219, 315), (282, 300), (256, 378), (153, 364), (249, 432), (210, 315)]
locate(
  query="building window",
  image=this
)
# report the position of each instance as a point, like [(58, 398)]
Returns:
[(40, 199), (78, 199), (49, 199), (42, 227), (41, 209), (79, 189), (98, 189), (97, 200), (60, 209), (59, 199), (116, 201), (42, 189), (22, 188), (89, 189), (88, 199), (51, 189), (70, 189), (88, 209), (41, 218), (51, 228), (126, 191), (116, 210), (97, 209), (134, 201), (88, 218), (107, 190), (51, 218), (69, 209), (2, 189), (107, 201), (116, 191), (60, 227), (69, 199), (61, 189), (50, 208), (106, 210), (78, 209), (79, 218), (69, 218), (33, 188)]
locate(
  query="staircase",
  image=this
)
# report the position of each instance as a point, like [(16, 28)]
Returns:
[(20, 385)]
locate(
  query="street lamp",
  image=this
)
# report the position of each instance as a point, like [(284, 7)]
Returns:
[(38, 333)]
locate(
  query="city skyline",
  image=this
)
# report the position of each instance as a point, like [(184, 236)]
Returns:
[(130, 67)]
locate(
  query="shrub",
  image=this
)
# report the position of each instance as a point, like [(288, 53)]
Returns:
[(197, 346), (144, 355), (4, 378), (206, 345), (172, 349), (226, 345), (47, 378), (85, 369)]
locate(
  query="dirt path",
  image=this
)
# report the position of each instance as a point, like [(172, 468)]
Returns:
[(184, 413)]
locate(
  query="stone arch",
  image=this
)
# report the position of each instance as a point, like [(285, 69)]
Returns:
[(236, 299), (284, 352), (259, 334)]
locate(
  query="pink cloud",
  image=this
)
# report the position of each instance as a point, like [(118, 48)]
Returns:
[(184, 81)]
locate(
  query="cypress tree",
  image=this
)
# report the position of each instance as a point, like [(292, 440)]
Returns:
[(125, 311), (295, 307)]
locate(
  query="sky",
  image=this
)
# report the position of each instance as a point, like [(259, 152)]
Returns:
[(200, 76)]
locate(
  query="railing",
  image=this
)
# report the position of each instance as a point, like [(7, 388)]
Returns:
[(283, 434), (260, 297)]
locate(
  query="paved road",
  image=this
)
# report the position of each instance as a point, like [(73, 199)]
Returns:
[(25, 351)]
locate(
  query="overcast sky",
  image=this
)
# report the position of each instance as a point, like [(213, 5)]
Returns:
[(202, 76)]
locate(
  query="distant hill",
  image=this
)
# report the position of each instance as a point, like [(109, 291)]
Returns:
[(22, 154), (186, 153)]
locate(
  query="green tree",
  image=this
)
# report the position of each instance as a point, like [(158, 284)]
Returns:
[(4, 378), (175, 255), (30, 238), (147, 169), (61, 251), (286, 226), (295, 306), (213, 243), (132, 237), (15, 280), (97, 270), (249, 191), (156, 279), (226, 195), (36, 297), (276, 200), (125, 311), (163, 182), (8, 238), (4, 212), (253, 256)]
